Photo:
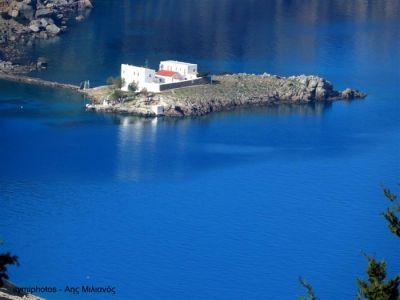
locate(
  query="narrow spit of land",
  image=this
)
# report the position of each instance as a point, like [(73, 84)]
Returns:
[(37, 81)]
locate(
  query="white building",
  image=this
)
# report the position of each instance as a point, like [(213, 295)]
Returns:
[(169, 76), (187, 70), (144, 78), (170, 72)]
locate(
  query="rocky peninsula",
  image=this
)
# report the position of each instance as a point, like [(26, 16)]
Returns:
[(22, 22), (224, 93)]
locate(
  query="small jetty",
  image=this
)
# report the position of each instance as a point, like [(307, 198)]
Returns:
[(38, 81)]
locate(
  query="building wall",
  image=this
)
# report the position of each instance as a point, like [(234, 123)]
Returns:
[(147, 79), (189, 71), (186, 83), (169, 79), (152, 87), (141, 76)]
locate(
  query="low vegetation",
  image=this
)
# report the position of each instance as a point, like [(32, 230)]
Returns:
[(117, 95), (116, 82)]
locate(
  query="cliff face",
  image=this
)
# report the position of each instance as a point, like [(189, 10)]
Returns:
[(24, 21)]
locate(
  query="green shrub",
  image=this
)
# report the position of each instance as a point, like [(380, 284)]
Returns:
[(117, 82)]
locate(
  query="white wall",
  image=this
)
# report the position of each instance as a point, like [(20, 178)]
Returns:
[(187, 70), (141, 76), (168, 79)]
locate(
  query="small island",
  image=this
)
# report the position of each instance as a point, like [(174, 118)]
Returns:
[(167, 92)]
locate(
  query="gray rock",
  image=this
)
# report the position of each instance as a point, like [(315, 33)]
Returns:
[(351, 94), (27, 12), (41, 63), (43, 35), (84, 4), (13, 13), (34, 28), (43, 22), (52, 29), (312, 83), (80, 18), (44, 12)]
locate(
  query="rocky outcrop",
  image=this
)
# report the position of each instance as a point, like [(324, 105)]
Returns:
[(10, 292), (227, 92), (231, 91), (24, 21)]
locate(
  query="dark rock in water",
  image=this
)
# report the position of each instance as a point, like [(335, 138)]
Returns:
[(352, 94), (41, 63)]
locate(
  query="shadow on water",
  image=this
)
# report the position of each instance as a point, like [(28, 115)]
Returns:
[(175, 148), (305, 109), (138, 148)]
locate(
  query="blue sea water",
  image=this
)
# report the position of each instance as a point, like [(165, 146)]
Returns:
[(233, 205)]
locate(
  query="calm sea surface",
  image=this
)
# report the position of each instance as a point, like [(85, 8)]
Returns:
[(230, 206)]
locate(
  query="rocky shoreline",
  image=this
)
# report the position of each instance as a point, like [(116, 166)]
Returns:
[(22, 22), (225, 93), (10, 292)]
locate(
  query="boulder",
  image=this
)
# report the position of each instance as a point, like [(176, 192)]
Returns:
[(41, 63), (13, 13), (53, 29), (313, 83), (84, 4), (43, 22), (34, 28), (351, 94), (27, 12), (44, 12)]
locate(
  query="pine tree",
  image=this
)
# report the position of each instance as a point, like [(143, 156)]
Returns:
[(390, 213), (376, 288), (6, 259), (310, 291)]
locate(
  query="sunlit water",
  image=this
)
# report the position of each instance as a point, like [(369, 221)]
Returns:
[(234, 205)]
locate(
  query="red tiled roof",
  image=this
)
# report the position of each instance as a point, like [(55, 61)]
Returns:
[(166, 73)]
